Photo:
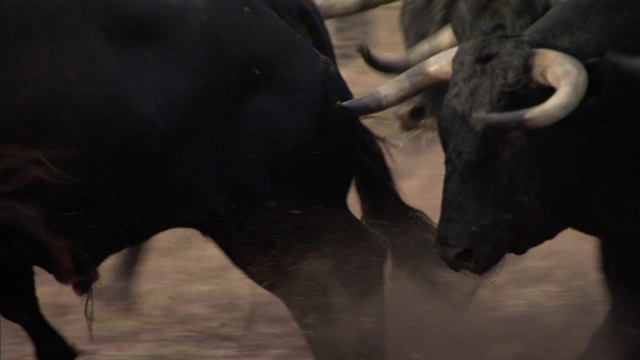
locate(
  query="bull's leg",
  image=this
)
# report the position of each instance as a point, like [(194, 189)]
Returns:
[(328, 270), (119, 290), (19, 304), (618, 338)]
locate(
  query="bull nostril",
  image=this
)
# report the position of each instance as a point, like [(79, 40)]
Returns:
[(456, 258), (464, 256)]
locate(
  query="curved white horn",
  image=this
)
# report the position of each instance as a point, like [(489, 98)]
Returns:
[(439, 41), (551, 68), (435, 70)]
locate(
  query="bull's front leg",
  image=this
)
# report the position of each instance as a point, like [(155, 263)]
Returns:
[(119, 290), (618, 337), (19, 304)]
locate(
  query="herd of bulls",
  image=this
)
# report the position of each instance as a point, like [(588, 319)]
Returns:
[(120, 119)]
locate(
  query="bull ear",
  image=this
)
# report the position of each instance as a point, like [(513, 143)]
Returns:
[(549, 68), (433, 71), (339, 8)]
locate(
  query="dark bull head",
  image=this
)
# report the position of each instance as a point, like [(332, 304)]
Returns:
[(432, 26), (495, 199)]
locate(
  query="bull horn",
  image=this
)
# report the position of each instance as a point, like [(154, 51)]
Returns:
[(435, 70), (338, 8), (550, 68), (627, 62), (439, 41)]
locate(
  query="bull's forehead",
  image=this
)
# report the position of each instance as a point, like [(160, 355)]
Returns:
[(486, 71), (473, 18)]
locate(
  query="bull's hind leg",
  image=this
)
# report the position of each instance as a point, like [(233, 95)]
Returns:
[(618, 338), (328, 270), (19, 304)]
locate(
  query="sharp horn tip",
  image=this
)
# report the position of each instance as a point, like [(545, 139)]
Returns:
[(346, 108)]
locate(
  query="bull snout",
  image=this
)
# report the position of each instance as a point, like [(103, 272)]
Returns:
[(465, 252), (457, 258)]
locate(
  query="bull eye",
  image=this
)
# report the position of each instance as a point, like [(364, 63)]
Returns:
[(417, 113), (485, 57)]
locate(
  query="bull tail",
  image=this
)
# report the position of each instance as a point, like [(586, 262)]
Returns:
[(409, 232)]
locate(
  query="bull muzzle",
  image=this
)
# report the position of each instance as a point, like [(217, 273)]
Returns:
[(457, 259)]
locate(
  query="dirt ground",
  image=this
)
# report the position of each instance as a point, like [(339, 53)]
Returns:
[(193, 304)]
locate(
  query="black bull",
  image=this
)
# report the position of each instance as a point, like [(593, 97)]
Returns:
[(508, 190), (514, 179), (209, 115)]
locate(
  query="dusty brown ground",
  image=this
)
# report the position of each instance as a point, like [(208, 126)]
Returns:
[(193, 304)]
